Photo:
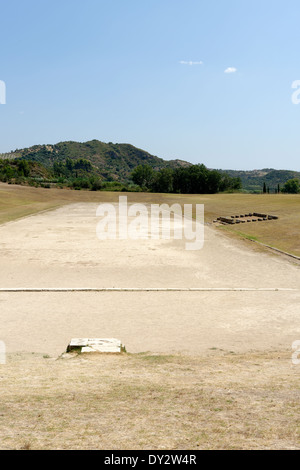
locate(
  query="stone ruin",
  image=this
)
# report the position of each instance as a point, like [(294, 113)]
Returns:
[(245, 218)]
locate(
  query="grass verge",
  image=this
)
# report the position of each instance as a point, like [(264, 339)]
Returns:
[(146, 401)]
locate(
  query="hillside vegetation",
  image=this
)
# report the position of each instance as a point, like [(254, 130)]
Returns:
[(113, 164), (98, 166), (114, 161)]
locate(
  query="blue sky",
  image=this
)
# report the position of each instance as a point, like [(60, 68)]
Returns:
[(119, 71)]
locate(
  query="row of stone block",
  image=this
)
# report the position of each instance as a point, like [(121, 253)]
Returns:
[(235, 219)]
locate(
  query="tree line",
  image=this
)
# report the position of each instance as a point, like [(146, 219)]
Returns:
[(194, 179), (292, 186), (81, 174)]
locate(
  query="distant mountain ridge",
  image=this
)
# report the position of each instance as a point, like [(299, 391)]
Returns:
[(116, 162)]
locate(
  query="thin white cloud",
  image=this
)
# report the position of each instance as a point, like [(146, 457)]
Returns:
[(230, 70), (190, 62)]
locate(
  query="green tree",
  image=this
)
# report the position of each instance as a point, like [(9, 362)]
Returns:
[(291, 186), (23, 168), (142, 175), (83, 164), (69, 164), (162, 181)]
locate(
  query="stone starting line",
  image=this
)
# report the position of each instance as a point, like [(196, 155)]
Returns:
[(142, 289)]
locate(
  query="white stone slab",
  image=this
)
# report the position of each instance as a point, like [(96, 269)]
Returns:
[(104, 345)]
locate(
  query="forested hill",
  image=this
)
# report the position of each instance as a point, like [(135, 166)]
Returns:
[(114, 161)]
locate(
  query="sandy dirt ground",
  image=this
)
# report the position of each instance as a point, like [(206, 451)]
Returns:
[(60, 249)]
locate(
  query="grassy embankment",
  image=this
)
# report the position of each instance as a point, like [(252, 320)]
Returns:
[(282, 233)]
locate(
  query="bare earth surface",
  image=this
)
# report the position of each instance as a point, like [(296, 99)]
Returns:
[(60, 249)]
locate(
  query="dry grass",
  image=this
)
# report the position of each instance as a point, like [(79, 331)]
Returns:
[(218, 401)]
